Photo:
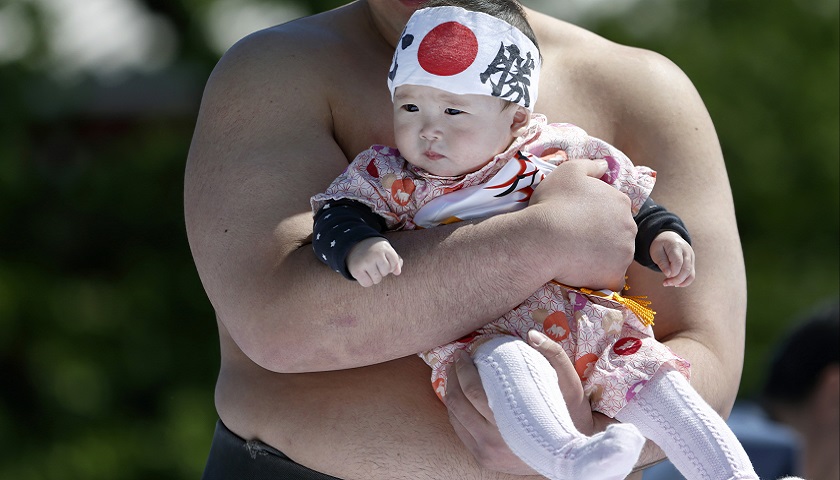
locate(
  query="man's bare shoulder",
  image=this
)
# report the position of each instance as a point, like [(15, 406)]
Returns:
[(300, 50), (316, 75), (267, 104), (615, 77)]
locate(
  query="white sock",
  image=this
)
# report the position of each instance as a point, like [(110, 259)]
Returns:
[(694, 437), (529, 410)]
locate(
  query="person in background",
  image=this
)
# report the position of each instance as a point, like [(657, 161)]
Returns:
[(802, 389), (792, 425)]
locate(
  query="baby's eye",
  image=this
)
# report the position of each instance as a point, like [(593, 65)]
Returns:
[(453, 111), (410, 107)]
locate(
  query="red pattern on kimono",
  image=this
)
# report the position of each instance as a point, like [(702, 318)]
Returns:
[(613, 351)]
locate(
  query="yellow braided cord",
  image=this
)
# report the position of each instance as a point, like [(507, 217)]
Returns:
[(639, 305)]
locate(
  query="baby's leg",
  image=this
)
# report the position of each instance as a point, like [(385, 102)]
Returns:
[(694, 437), (529, 410)]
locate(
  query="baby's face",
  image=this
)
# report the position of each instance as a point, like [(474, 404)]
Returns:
[(447, 134)]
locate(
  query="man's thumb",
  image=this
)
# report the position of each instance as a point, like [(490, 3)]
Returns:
[(554, 353), (567, 377), (597, 168)]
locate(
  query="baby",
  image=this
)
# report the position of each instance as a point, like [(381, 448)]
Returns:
[(464, 83)]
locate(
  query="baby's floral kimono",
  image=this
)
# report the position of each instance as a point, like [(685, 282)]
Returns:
[(613, 349)]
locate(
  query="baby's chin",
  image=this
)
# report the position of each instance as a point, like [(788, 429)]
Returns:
[(437, 167), (445, 173), (429, 167)]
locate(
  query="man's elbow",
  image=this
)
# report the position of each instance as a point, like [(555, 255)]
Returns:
[(276, 353)]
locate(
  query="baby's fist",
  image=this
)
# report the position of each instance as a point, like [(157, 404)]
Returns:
[(675, 257), (373, 259)]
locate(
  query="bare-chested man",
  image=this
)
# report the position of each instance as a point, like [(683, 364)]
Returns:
[(323, 370)]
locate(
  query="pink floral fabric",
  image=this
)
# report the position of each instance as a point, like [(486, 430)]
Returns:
[(613, 352)]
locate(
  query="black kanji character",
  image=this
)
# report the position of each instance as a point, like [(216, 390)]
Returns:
[(512, 71)]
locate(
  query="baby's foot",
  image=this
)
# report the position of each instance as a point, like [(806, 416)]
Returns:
[(529, 410), (609, 455)]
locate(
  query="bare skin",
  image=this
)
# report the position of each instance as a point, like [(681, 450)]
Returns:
[(424, 121), (283, 113)]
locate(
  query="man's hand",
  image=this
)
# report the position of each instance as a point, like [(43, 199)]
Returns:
[(598, 231), (373, 259), (473, 420)]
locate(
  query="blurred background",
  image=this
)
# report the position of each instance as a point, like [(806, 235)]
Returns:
[(108, 347)]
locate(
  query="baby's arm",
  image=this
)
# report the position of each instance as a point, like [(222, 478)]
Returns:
[(675, 257), (347, 236), (372, 259), (663, 243)]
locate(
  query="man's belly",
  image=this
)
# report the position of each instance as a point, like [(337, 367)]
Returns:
[(378, 422)]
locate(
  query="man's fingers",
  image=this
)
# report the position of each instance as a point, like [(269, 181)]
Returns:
[(594, 168), (464, 415), (589, 167), (465, 381), (556, 357), (472, 420), (567, 378), (462, 433)]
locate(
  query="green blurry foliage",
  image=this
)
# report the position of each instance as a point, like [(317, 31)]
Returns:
[(768, 73), (108, 346)]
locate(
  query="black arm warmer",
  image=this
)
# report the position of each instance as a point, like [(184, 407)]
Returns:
[(653, 219), (339, 225)]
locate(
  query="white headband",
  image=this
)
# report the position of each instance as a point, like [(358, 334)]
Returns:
[(465, 52)]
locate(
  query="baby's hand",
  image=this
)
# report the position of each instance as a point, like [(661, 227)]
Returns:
[(675, 257), (372, 259)]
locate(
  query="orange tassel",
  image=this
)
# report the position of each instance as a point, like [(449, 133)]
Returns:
[(639, 305)]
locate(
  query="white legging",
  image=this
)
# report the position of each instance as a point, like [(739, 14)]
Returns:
[(528, 407)]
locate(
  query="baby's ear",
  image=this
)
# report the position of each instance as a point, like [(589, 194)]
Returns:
[(521, 118)]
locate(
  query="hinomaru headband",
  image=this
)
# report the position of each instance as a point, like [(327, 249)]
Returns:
[(464, 52)]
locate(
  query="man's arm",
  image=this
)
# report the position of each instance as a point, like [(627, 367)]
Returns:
[(661, 122), (260, 152), (658, 119), (669, 129)]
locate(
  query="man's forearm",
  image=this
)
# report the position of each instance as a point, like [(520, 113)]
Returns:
[(454, 280)]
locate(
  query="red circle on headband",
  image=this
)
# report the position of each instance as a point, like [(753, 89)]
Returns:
[(448, 49)]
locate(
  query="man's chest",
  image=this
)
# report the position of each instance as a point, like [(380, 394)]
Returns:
[(363, 116)]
